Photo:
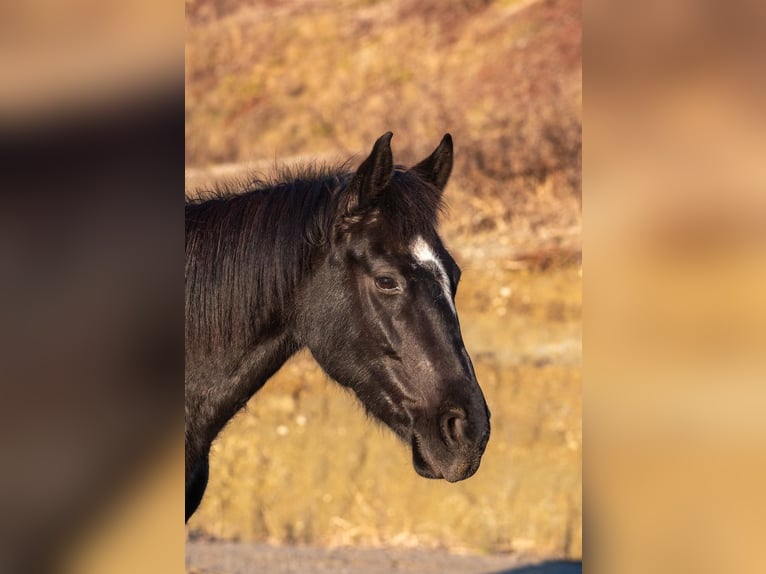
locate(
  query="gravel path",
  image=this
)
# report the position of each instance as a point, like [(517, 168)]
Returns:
[(209, 557)]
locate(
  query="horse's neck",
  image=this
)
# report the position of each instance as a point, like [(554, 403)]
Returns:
[(217, 388)]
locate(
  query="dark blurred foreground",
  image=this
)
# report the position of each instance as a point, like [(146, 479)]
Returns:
[(91, 243)]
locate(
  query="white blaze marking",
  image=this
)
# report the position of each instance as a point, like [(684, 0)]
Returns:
[(423, 254)]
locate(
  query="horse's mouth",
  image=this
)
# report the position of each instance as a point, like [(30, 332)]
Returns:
[(422, 466), (453, 471)]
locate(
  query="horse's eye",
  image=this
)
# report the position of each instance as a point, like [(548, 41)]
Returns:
[(386, 283)]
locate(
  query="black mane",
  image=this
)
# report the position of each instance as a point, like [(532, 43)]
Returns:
[(249, 244)]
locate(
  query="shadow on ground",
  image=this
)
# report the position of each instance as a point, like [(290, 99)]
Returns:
[(548, 567)]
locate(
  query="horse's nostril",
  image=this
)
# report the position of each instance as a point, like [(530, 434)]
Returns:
[(453, 426)]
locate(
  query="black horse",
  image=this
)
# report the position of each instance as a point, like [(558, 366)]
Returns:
[(348, 264)]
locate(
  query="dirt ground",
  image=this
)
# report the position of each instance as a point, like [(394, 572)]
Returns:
[(211, 557)]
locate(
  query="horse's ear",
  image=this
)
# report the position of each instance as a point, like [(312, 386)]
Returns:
[(375, 172), (372, 177), (436, 168)]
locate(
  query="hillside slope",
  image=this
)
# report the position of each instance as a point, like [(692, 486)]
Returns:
[(274, 80)]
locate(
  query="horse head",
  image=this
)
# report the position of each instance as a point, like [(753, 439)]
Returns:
[(378, 312)]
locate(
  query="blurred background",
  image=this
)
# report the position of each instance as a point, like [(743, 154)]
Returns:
[(91, 312), (285, 81)]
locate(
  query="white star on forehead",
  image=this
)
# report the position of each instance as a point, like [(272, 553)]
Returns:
[(424, 255)]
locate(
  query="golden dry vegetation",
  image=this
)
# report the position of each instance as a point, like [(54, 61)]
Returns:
[(321, 79)]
